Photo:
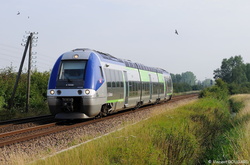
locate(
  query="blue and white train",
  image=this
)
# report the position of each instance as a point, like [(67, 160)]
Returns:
[(85, 83)]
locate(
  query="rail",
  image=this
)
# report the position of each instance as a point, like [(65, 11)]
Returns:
[(26, 134)]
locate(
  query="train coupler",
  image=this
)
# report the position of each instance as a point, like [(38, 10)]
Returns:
[(67, 104)]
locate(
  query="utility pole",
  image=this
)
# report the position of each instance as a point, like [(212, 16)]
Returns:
[(29, 75), (29, 44), (29, 69), (19, 72)]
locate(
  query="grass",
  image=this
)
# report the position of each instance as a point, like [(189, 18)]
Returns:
[(201, 132), (183, 93), (130, 146), (17, 113), (243, 128)]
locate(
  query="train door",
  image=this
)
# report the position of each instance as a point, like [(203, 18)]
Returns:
[(150, 87), (126, 88)]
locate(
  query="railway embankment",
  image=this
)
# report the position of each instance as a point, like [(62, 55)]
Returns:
[(211, 130), (201, 132), (33, 149)]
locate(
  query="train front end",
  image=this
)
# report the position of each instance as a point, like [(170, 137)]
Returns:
[(75, 88)]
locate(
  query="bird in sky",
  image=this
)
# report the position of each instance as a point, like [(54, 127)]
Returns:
[(176, 32), (18, 13)]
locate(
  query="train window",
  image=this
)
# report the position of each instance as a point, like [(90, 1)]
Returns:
[(107, 74), (139, 66), (112, 75), (139, 85), (109, 84), (116, 74), (120, 78), (126, 63), (129, 63), (114, 78), (134, 66), (113, 84), (108, 77), (72, 70), (101, 72)]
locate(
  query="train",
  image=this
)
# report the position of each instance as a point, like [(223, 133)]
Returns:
[(86, 83)]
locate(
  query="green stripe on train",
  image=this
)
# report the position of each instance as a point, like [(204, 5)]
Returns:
[(117, 100)]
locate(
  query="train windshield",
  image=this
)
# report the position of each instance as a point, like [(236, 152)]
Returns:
[(72, 70)]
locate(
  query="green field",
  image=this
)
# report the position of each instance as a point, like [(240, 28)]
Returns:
[(203, 132)]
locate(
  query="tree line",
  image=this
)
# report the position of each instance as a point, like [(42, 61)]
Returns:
[(235, 73), (38, 90), (187, 81)]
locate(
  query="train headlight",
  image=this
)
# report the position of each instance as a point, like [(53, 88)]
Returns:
[(87, 92), (76, 56), (52, 92)]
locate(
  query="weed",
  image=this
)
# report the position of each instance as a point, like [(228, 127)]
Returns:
[(236, 106)]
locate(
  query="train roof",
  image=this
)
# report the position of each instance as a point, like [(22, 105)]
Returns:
[(127, 63)]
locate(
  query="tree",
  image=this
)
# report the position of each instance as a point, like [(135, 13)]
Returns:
[(248, 71), (188, 77), (184, 82), (232, 70), (176, 78), (207, 82)]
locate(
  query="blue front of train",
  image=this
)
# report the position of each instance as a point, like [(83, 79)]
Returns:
[(76, 86)]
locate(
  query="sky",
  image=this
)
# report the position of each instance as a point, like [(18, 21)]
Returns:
[(139, 30)]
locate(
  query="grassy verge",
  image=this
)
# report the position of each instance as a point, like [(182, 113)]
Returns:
[(17, 113), (183, 93), (199, 133), (242, 128)]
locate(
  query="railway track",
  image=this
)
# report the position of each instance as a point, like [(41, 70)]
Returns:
[(25, 134), (8, 123)]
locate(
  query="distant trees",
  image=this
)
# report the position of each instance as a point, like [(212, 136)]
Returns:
[(236, 73), (233, 70), (184, 82), (207, 82), (186, 77), (187, 82)]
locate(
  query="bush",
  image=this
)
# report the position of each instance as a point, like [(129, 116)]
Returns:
[(235, 106), (2, 102), (218, 91), (181, 87), (38, 91), (239, 88)]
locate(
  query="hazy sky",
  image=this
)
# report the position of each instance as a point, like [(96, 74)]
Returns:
[(140, 30)]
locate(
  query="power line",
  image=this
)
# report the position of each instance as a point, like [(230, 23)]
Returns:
[(11, 55), (13, 47)]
